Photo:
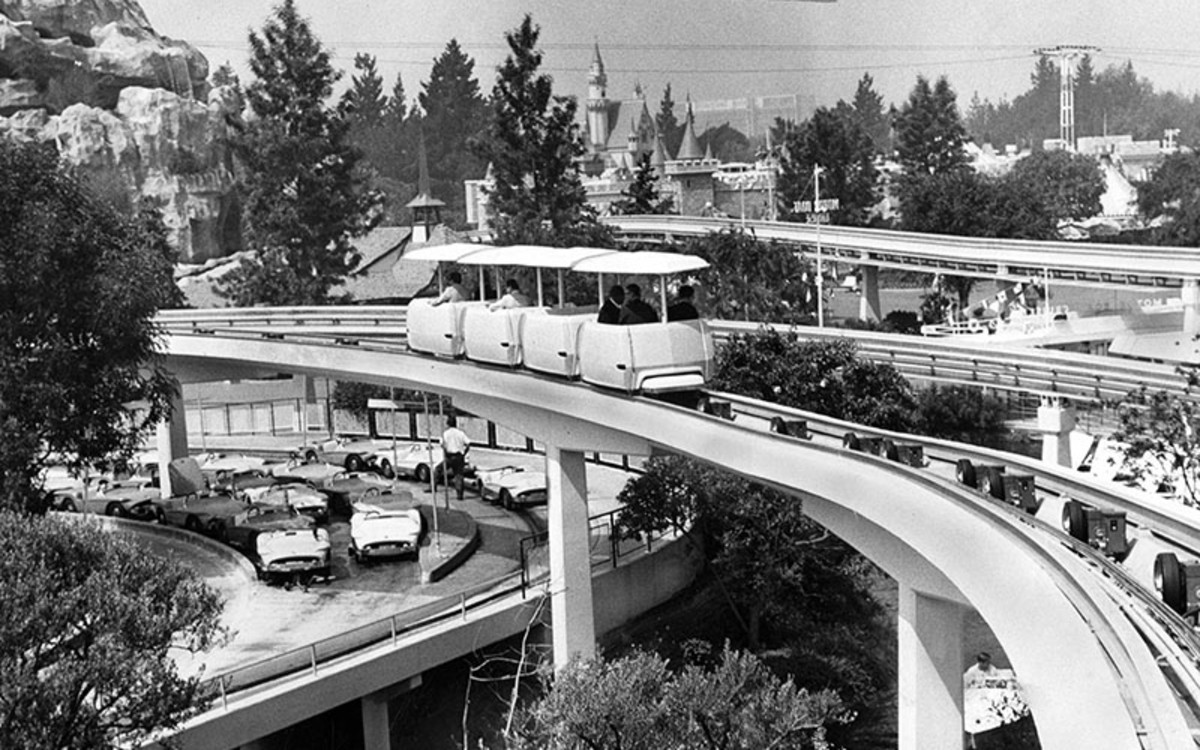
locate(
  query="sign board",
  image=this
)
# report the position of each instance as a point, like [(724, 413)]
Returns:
[(822, 206), (817, 219), (991, 700)]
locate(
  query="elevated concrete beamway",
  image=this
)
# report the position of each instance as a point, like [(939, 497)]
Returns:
[(940, 547)]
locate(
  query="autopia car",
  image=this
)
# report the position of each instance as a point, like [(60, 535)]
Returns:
[(293, 553), (407, 460), (379, 532), (298, 495), (511, 486), (350, 453), (242, 530)]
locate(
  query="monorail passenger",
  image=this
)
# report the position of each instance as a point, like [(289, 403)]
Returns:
[(685, 306), (513, 297), (452, 293), (610, 311), (636, 310)]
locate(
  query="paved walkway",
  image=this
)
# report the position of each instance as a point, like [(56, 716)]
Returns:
[(267, 620)]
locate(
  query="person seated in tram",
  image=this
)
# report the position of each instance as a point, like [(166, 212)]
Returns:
[(610, 311), (685, 306), (636, 310), (455, 292), (513, 297)]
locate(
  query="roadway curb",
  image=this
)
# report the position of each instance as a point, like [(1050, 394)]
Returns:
[(240, 561), (431, 571)]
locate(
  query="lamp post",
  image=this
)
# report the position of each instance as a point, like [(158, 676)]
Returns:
[(820, 274)]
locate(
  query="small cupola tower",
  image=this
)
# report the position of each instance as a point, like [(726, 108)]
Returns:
[(426, 210), (597, 102)]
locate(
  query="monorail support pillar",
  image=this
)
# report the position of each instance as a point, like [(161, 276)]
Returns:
[(930, 672), (171, 440), (376, 719), (574, 624), (1056, 420), (869, 307), (1191, 306)]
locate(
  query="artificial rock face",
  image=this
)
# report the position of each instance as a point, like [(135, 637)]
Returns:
[(129, 107)]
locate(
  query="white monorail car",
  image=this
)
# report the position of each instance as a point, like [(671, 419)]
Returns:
[(566, 341)]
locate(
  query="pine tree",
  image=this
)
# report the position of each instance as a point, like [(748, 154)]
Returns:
[(454, 111), (224, 76), (642, 195), (532, 143), (304, 199), (669, 128), (397, 106), (929, 134), (868, 110), (364, 102)]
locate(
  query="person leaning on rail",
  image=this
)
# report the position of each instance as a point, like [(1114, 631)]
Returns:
[(453, 293), (636, 310), (513, 297)]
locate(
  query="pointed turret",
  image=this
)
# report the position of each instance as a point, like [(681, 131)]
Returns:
[(426, 210), (690, 147), (658, 157), (597, 102), (708, 151)]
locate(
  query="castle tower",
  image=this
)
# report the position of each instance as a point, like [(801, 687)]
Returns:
[(597, 102), (689, 149)]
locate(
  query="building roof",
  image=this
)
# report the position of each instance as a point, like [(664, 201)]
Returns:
[(690, 147), (377, 245), (424, 197)]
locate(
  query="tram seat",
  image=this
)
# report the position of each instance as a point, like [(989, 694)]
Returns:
[(549, 342), (438, 330), (652, 357), (494, 336)]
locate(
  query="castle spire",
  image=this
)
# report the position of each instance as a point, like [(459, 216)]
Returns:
[(690, 147)]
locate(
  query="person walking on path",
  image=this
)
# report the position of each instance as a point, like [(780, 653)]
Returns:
[(455, 445), (610, 312)]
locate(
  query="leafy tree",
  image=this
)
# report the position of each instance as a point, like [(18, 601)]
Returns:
[(727, 143), (834, 140), (364, 102), (669, 127), (969, 204), (638, 701), (929, 134), (868, 112), (304, 198), (751, 280), (532, 143), (1173, 193), (1158, 431), (962, 414), (80, 284), (826, 377), (1068, 185), (642, 196), (88, 623)]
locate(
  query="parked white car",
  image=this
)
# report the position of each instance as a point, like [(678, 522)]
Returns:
[(512, 486), (407, 460), (302, 497), (294, 553), (378, 532)]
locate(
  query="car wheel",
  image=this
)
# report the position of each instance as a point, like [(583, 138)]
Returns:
[(506, 499), (850, 441), (160, 516), (386, 470), (964, 472), (1169, 582), (1073, 520), (68, 505), (114, 509), (354, 463), (889, 450), (371, 492), (985, 484), (191, 523), (422, 473), (311, 457)]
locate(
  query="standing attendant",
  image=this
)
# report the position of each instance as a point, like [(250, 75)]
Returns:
[(636, 309), (684, 307), (455, 445), (610, 311), (453, 293)]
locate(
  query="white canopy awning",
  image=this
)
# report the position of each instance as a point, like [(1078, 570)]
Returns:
[(645, 262), (533, 256), (455, 252)]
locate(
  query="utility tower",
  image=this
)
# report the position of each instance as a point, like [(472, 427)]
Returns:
[(1068, 55)]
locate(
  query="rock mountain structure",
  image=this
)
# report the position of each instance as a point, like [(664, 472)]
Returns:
[(131, 109)]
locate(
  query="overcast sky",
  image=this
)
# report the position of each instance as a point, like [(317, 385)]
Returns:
[(718, 49)]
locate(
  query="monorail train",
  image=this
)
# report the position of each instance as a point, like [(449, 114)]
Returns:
[(566, 340)]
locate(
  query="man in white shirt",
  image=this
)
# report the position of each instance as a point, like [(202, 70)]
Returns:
[(455, 445), (453, 293), (513, 297)]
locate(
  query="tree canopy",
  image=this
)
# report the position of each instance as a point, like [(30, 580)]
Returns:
[(929, 134), (1172, 194), (88, 626), (835, 140), (1068, 185), (532, 142), (870, 115), (642, 195), (80, 284), (751, 280), (305, 200)]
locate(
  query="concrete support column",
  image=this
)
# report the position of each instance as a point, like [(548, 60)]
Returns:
[(1056, 419), (1191, 306), (930, 672), (869, 307), (574, 625), (376, 724), (171, 440)]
